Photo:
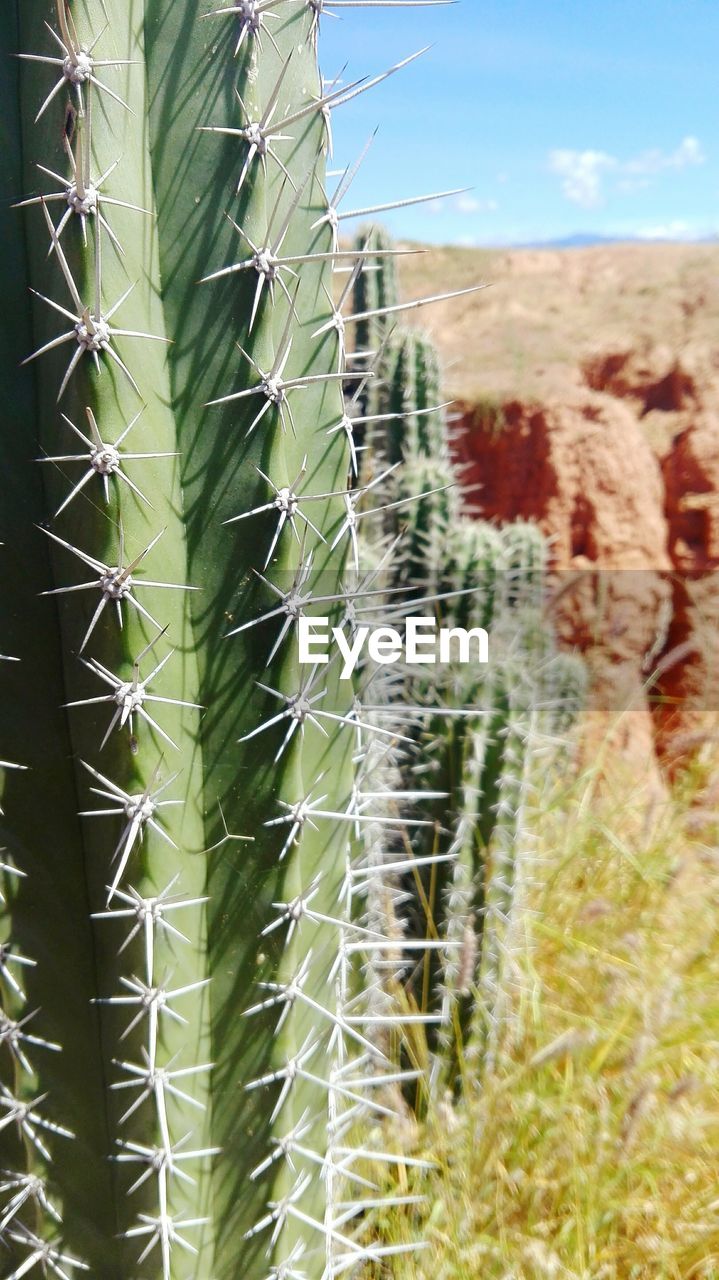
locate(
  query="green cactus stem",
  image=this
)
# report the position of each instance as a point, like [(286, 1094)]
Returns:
[(181, 848)]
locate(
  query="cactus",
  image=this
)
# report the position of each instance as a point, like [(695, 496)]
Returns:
[(376, 289), (206, 895), (415, 393), (182, 819), (480, 735)]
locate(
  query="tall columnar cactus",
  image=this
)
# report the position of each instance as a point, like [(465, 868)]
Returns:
[(481, 735), (376, 289), (414, 393), (181, 809), (404, 366)]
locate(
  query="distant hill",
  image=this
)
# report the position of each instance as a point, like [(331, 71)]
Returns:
[(578, 240), (587, 239)]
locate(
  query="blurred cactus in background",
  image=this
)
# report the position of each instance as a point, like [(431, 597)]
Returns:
[(481, 736)]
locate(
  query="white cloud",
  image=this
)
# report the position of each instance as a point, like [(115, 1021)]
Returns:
[(581, 173), (466, 203), (675, 230), (688, 153), (628, 185)]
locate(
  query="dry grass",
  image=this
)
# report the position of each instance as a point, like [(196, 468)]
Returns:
[(592, 1152)]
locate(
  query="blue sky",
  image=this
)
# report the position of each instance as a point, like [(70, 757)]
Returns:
[(563, 116)]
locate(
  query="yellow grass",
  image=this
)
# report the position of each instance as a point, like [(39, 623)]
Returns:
[(593, 1151)]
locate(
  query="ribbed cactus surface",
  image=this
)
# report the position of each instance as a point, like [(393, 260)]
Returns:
[(187, 1051)]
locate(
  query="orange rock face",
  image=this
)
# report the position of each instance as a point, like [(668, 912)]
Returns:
[(582, 468), (634, 544), (690, 682)]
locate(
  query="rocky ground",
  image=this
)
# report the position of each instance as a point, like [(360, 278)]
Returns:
[(588, 392)]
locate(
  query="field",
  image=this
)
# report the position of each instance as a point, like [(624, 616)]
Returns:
[(590, 1153)]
